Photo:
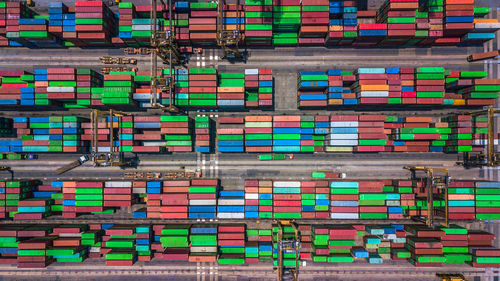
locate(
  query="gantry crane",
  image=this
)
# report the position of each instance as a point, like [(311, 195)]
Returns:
[(451, 277), (113, 157), (228, 40), (164, 47), (289, 243), (8, 169), (434, 178), (491, 158)]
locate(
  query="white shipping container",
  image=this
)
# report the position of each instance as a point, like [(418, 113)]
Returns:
[(231, 202), (231, 215), (374, 94), (286, 184), (252, 71), (345, 216), (203, 249), (371, 70), (60, 89), (202, 202), (139, 190), (95, 249), (118, 184), (389, 236), (344, 124), (343, 136), (251, 196), (146, 96), (393, 203), (70, 235), (484, 142), (487, 25), (141, 27), (103, 149), (343, 142), (154, 143)]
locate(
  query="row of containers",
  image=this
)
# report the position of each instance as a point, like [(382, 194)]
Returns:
[(391, 199), (205, 88), (37, 246), (261, 134), (260, 22), (422, 86), (195, 88)]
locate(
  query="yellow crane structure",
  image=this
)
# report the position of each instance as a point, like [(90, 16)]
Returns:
[(451, 277), (434, 179), (228, 39), (289, 243), (114, 157), (8, 169), (491, 158), (164, 47)]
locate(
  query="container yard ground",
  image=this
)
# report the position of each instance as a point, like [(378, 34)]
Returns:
[(239, 166), (232, 169)]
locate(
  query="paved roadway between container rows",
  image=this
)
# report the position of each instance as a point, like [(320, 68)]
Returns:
[(233, 168), (290, 59)]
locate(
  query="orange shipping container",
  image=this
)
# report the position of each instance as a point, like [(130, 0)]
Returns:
[(207, 27), (202, 77), (374, 88), (258, 118), (265, 190), (118, 77), (313, 29), (461, 196), (459, 7), (487, 81), (69, 184), (403, 6), (230, 89), (233, 27), (286, 118), (418, 119), (336, 28), (205, 35), (233, 14), (265, 183), (485, 20)]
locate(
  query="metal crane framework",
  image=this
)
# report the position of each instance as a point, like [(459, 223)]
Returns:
[(434, 178), (164, 47), (113, 157), (228, 40), (291, 244), (492, 157), (451, 276)]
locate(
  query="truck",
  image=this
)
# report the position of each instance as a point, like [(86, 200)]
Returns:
[(106, 60), (111, 60), (483, 56), (72, 165), (107, 70), (267, 157), (13, 156), (138, 51), (328, 175)]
